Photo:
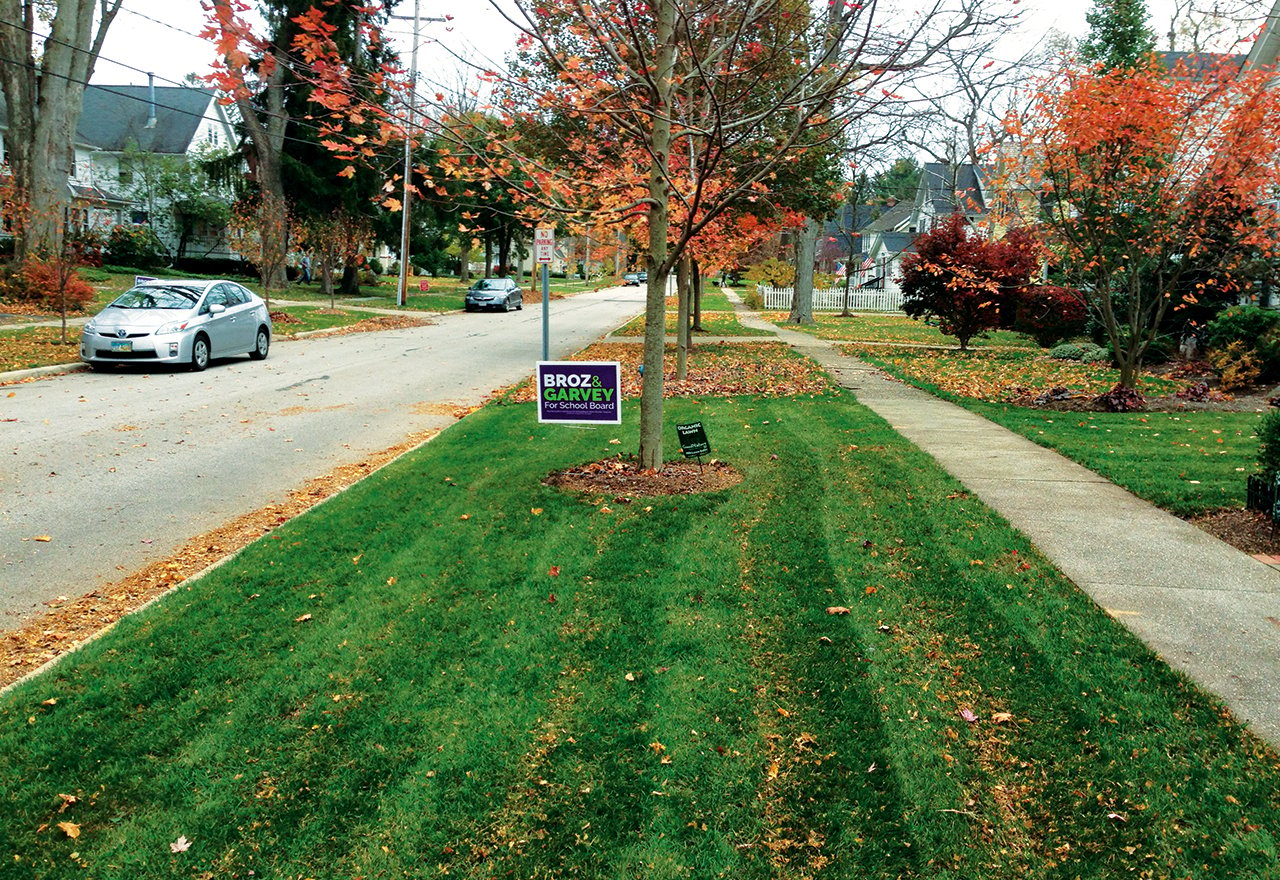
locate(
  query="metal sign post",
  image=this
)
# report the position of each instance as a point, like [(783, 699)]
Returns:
[(544, 245)]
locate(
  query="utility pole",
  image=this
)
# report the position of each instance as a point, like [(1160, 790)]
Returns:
[(402, 294)]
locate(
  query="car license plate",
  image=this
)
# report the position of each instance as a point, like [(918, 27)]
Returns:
[(122, 345)]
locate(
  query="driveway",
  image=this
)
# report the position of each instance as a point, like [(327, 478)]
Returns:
[(119, 469)]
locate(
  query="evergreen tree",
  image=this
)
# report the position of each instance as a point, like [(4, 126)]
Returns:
[(1118, 34)]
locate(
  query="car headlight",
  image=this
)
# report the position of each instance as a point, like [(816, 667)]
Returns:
[(90, 327), (172, 327)]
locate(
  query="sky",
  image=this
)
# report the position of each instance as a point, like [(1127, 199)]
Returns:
[(162, 36)]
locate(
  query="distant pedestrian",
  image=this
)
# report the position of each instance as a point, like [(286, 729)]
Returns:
[(304, 269)]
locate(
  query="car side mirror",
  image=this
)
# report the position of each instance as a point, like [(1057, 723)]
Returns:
[(216, 308)]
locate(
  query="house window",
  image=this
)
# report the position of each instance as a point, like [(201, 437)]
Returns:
[(137, 218), (125, 175)]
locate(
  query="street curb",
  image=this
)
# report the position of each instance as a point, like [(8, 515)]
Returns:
[(38, 372)]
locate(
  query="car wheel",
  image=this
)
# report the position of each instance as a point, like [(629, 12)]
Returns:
[(261, 346), (199, 354), (507, 305), (520, 304)]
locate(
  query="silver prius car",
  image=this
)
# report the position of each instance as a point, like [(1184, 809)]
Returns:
[(178, 322)]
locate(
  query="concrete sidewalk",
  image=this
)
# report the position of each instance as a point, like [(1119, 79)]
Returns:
[(1211, 611)]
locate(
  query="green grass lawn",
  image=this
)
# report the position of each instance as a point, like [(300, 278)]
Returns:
[(713, 324), (317, 318), (894, 328), (1185, 462), (454, 669)]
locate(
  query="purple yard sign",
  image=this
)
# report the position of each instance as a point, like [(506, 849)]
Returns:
[(580, 391)]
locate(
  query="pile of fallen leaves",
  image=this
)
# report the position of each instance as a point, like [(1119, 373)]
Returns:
[(72, 621), (37, 347), (767, 369), (623, 479)]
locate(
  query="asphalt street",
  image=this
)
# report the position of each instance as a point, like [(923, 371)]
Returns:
[(118, 469)]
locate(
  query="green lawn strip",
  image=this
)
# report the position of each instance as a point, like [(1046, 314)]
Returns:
[(1185, 462), (713, 324), (452, 702), (317, 318), (895, 328)]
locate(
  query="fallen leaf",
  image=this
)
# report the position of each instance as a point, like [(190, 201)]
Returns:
[(43, 539), (1117, 817), (180, 845), (554, 571), (783, 712), (1231, 800), (606, 510), (52, 701), (823, 640), (968, 715), (614, 442), (630, 676), (71, 829), (772, 772), (1002, 717), (536, 511), (837, 609), (302, 619), (391, 581), (465, 516)]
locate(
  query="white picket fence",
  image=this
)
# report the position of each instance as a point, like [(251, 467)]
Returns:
[(831, 299)]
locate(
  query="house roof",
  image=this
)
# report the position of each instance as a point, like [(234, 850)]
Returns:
[(944, 188), (892, 218), (1197, 64), (1266, 48), (116, 116), (96, 195)]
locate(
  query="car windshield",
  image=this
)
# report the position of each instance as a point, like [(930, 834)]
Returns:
[(488, 284), (156, 298)]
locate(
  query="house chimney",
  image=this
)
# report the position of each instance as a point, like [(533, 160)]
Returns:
[(151, 100)]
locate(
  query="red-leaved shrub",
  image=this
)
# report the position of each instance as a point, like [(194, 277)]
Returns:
[(47, 286), (1049, 314)]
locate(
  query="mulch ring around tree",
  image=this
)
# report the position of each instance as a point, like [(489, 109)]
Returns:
[(623, 478)]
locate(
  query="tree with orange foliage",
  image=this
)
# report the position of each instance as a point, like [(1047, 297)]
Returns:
[(1145, 178), (676, 94)]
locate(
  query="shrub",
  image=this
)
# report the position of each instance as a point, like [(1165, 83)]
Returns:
[(36, 284), (136, 246), (1269, 443), (775, 273), (1238, 365), (753, 299), (1067, 351), (1049, 313), (1080, 351), (375, 266), (1121, 399), (1245, 324)]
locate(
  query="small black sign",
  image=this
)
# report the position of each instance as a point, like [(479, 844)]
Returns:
[(693, 440)]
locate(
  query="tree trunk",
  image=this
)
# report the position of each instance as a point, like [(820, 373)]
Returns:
[(504, 251), (684, 295), (697, 298), (464, 259), (350, 281), (664, 13), (488, 254), (43, 101), (806, 247)]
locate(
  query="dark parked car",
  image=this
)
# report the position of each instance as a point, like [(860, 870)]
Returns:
[(493, 293), (631, 279)]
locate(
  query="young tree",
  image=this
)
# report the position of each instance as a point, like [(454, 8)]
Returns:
[(1119, 37), (694, 93), (965, 279), (1145, 179), (44, 94)]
